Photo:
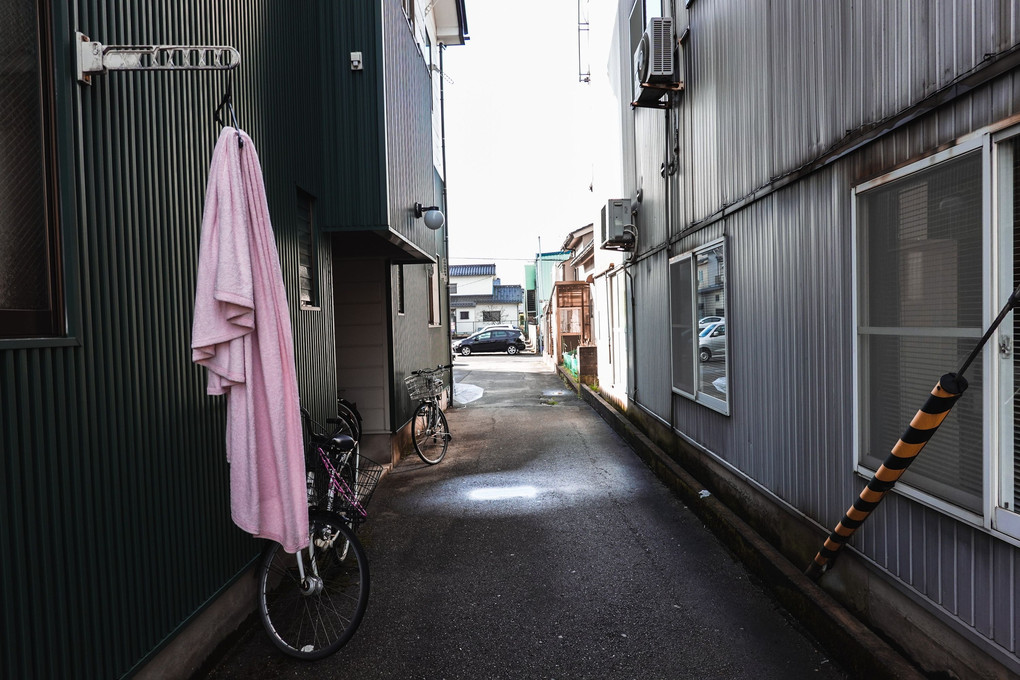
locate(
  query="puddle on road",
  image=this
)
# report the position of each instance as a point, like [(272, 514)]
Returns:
[(553, 397)]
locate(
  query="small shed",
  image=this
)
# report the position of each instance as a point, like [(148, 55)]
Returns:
[(571, 316)]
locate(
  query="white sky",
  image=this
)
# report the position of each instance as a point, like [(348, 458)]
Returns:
[(520, 133)]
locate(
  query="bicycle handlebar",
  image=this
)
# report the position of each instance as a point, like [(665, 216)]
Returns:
[(431, 370)]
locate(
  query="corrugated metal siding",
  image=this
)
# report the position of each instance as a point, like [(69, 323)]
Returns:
[(353, 131), (756, 113), (761, 112), (408, 87), (788, 267), (650, 334), (651, 155), (113, 455)]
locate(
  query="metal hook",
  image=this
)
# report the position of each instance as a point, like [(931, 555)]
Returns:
[(227, 101)]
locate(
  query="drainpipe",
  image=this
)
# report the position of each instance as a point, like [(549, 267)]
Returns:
[(541, 340), (446, 209), (669, 168), (632, 360)]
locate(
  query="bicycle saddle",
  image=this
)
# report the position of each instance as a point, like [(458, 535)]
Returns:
[(343, 442)]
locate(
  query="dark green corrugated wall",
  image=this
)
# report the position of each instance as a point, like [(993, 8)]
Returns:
[(116, 522), (354, 100)]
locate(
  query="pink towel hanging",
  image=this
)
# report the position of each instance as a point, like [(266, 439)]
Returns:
[(242, 335)]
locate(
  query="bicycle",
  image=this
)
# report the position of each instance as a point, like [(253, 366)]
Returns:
[(347, 411), (429, 429), (312, 603)]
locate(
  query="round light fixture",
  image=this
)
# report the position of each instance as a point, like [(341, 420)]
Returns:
[(434, 218)]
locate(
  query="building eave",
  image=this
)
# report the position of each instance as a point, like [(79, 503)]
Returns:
[(451, 22)]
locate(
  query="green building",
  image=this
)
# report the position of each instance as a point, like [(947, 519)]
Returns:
[(116, 530)]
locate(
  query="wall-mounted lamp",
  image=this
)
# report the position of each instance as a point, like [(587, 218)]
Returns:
[(434, 218)]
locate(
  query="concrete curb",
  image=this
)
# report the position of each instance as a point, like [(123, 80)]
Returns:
[(856, 647)]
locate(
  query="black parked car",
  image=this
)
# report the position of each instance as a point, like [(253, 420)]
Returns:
[(499, 340)]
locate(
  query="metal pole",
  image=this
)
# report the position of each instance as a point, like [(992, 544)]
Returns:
[(923, 426)]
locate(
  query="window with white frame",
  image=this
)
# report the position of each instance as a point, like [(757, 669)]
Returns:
[(1006, 215), (937, 257), (919, 293), (698, 340)]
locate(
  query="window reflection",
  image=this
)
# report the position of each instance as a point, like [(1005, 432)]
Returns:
[(711, 301)]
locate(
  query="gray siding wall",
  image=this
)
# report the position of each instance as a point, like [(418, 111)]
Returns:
[(788, 105), (651, 383), (789, 337), (757, 113)]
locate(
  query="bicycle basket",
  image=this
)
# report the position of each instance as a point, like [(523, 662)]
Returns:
[(341, 481), (422, 385), (425, 385)]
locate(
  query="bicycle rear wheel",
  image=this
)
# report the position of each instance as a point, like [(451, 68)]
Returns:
[(430, 432), (349, 410), (313, 618), (344, 423)]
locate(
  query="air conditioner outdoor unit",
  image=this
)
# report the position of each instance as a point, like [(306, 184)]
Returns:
[(654, 63), (617, 230)]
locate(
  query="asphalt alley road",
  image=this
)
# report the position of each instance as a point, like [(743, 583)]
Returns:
[(542, 547)]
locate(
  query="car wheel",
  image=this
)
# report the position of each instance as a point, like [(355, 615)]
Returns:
[(704, 354), (511, 349), (465, 351)]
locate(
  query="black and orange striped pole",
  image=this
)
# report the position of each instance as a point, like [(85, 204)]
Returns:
[(949, 388), (924, 424)]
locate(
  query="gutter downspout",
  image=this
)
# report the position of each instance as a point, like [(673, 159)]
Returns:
[(446, 207)]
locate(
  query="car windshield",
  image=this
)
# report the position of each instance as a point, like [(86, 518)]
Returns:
[(708, 331)]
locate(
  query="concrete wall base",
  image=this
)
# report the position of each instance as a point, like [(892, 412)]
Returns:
[(192, 649), (210, 632)]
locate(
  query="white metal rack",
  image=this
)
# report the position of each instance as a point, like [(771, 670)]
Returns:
[(95, 58)]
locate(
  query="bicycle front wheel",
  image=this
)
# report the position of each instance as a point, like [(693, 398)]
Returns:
[(313, 617), (430, 432)]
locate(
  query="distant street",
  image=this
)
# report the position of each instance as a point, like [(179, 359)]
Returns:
[(542, 547)]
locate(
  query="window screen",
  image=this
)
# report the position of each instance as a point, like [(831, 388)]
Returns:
[(400, 289), (1012, 191), (920, 292), (30, 303), (308, 256), (682, 324)]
